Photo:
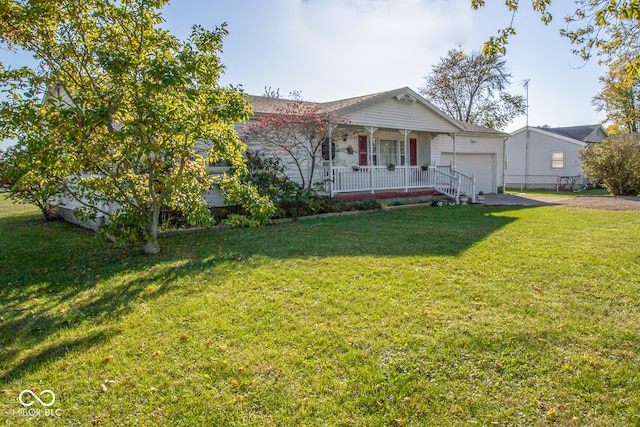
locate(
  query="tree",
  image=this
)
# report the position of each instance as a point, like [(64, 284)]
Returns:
[(615, 164), (297, 130), (610, 27), (29, 180), (129, 107), (620, 99), (472, 88)]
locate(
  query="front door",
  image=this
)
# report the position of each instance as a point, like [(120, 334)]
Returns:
[(362, 150), (413, 152)]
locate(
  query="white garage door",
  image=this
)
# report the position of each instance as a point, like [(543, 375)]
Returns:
[(482, 166)]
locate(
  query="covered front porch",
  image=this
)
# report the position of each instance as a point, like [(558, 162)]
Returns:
[(375, 160), (353, 179)]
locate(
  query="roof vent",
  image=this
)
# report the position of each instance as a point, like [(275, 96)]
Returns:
[(406, 99)]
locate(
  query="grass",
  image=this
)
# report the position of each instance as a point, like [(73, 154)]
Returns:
[(427, 316), (546, 192)]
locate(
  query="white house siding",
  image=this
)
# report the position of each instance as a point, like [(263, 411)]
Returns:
[(538, 170), (342, 156), (394, 114)]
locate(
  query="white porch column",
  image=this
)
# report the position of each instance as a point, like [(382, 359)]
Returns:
[(406, 133), (331, 128), (371, 130)]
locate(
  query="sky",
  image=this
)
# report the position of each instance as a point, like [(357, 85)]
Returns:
[(336, 49)]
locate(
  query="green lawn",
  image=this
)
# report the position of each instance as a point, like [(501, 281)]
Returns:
[(420, 317)]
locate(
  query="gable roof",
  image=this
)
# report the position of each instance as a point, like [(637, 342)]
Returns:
[(579, 135), (585, 133), (264, 105)]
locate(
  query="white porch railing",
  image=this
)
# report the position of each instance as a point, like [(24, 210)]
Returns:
[(444, 179)]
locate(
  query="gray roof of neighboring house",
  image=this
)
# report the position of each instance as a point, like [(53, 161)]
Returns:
[(586, 133)]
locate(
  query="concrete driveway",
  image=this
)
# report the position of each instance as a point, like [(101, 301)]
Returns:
[(513, 200), (621, 203)]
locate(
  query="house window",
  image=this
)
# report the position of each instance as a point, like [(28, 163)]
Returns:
[(374, 154), (388, 152), (325, 150), (557, 160)]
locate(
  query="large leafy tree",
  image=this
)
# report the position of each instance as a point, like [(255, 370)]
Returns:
[(472, 88), (620, 99), (128, 109)]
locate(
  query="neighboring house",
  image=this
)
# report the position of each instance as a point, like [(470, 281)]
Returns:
[(548, 157), (429, 149)]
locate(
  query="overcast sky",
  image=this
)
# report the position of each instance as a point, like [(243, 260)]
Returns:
[(335, 49)]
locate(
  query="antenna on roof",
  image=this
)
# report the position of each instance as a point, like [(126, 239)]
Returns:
[(525, 85)]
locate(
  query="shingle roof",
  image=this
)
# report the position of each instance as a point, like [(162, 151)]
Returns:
[(581, 133), (473, 128), (268, 105), (265, 105)]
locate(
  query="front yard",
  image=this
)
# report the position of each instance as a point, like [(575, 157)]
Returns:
[(426, 316)]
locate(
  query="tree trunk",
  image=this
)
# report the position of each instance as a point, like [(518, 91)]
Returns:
[(152, 247)]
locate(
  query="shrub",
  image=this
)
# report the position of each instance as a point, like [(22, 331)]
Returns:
[(266, 175), (614, 164), (235, 220)]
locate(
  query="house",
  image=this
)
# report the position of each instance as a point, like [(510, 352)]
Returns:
[(428, 149), (537, 157), (430, 152)]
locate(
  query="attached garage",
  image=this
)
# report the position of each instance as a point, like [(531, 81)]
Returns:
[(481, 165)]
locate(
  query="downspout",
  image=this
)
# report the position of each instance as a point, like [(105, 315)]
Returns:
[(453, 136), (504, 163)]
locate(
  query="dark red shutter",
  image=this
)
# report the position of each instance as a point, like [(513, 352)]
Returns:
[(362, 150), (413, 152), (325, 149)]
